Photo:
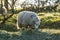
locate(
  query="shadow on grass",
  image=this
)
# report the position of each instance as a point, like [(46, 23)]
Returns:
[(7, 27), (28, 35)]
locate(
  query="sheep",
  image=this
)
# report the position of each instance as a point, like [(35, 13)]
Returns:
[(27, 19)]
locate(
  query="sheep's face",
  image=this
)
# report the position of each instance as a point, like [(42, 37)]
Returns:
[(36, 25), (36, 22)]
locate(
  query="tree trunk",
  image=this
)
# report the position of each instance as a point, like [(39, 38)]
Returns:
[(5, 19), (6, 4)]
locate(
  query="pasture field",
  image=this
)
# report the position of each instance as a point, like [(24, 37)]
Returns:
[(48, 30)]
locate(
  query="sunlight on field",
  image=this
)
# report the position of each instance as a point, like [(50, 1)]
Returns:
[(56, 17), (46, 30), (42, 15), (51, 31), (8, 31)]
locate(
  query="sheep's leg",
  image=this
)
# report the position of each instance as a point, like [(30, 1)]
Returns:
[(18, 26)]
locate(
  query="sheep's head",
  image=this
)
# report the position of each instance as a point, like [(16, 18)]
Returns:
[(36, 21)]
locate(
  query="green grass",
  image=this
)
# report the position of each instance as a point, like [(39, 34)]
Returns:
[(48, 30), (49, 20), (27, 35)]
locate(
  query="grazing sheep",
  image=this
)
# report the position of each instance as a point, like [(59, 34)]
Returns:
[(27, 19)]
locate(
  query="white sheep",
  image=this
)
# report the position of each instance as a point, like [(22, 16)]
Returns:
[(27, 19)]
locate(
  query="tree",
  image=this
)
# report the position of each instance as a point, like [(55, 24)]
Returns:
[(12, 7), (6, 4)]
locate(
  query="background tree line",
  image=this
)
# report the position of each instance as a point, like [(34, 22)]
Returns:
[(40, 5), (36, 6), (4, 9)]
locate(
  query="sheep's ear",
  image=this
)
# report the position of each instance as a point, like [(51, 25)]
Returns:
[(33, 16)]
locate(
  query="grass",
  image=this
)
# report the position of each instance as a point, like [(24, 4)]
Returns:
[(42, 34), (49, 29), (49, 20)]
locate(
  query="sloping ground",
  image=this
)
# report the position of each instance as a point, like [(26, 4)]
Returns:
[(47, 34), (48, 20)]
